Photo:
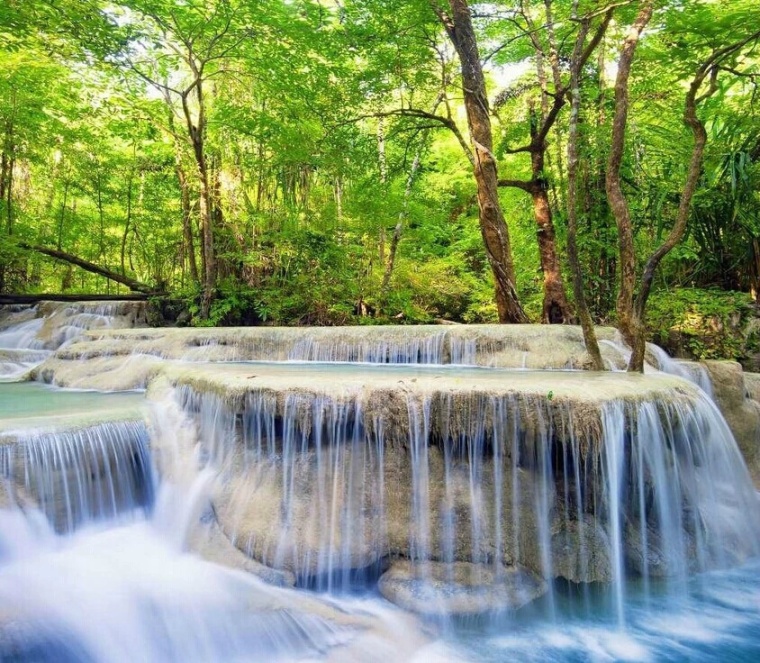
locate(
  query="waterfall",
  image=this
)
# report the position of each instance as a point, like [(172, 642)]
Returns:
[(527, 346), (93, 567), (74, 477), (335, 490), (584, 514), (29, 334), (688, 370)]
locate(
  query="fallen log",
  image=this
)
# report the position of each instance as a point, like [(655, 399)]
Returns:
[(131, 283)]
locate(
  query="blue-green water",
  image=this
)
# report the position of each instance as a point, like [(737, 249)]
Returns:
[(31, 399), (718, 620)]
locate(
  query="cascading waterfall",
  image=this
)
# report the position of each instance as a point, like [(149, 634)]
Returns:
[(425, 350), (539, 516), (93, 567), (484, 345), (20, 348), (318, 486), (29, 334), (75, 477), (688, 370)]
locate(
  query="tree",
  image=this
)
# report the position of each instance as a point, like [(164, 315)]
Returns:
[(631, 307), (199, 38), (281, 165), (580, 55), (457, 22)]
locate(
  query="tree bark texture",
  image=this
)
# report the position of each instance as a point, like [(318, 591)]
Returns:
[(556, 309), (584, 316), (616, 198), (493, 226), (196, 128), (188, 240)]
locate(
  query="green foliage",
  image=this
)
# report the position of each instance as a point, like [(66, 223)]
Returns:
[(309, 136), (702, 324), (312, 278)]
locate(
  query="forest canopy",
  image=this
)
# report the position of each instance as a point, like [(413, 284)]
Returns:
[(332, 162)]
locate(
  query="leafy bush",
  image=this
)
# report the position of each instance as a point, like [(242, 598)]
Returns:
[(700, 324)]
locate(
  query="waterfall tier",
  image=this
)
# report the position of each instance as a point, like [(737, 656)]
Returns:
[(76, 457), (508, 346), (77, 476), (332, 472), (454, 489), (28, 334), (110, 359)]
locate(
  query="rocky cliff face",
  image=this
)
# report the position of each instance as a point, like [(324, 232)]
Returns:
[(736, 394)]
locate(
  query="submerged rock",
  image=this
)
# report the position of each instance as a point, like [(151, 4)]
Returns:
[(211, 544), (581, 551), (458, 589)]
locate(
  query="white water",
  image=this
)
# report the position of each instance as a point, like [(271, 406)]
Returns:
[(102, 571), (127, 589), (688, 370), (94, 473), (126, 593), (313, 485), (29, 334), (124, 588)]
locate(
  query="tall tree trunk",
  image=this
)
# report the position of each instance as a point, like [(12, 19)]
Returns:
[(9, 193), (207, 235), (128, 219), (382, 163), (3, 171), (596, 195), (8, 165), (101, 214), (555, 306), (587, 324), (556, 309), (197, 134), (493, 226), (187, 222), (188, 241), (339, 200), (63, 211), (615, 196), (217, 211), (7, 168)]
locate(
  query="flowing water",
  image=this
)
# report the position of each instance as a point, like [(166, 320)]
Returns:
[(526, 517), (29, 334)]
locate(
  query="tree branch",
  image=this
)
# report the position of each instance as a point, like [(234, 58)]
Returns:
[(528, 186)]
